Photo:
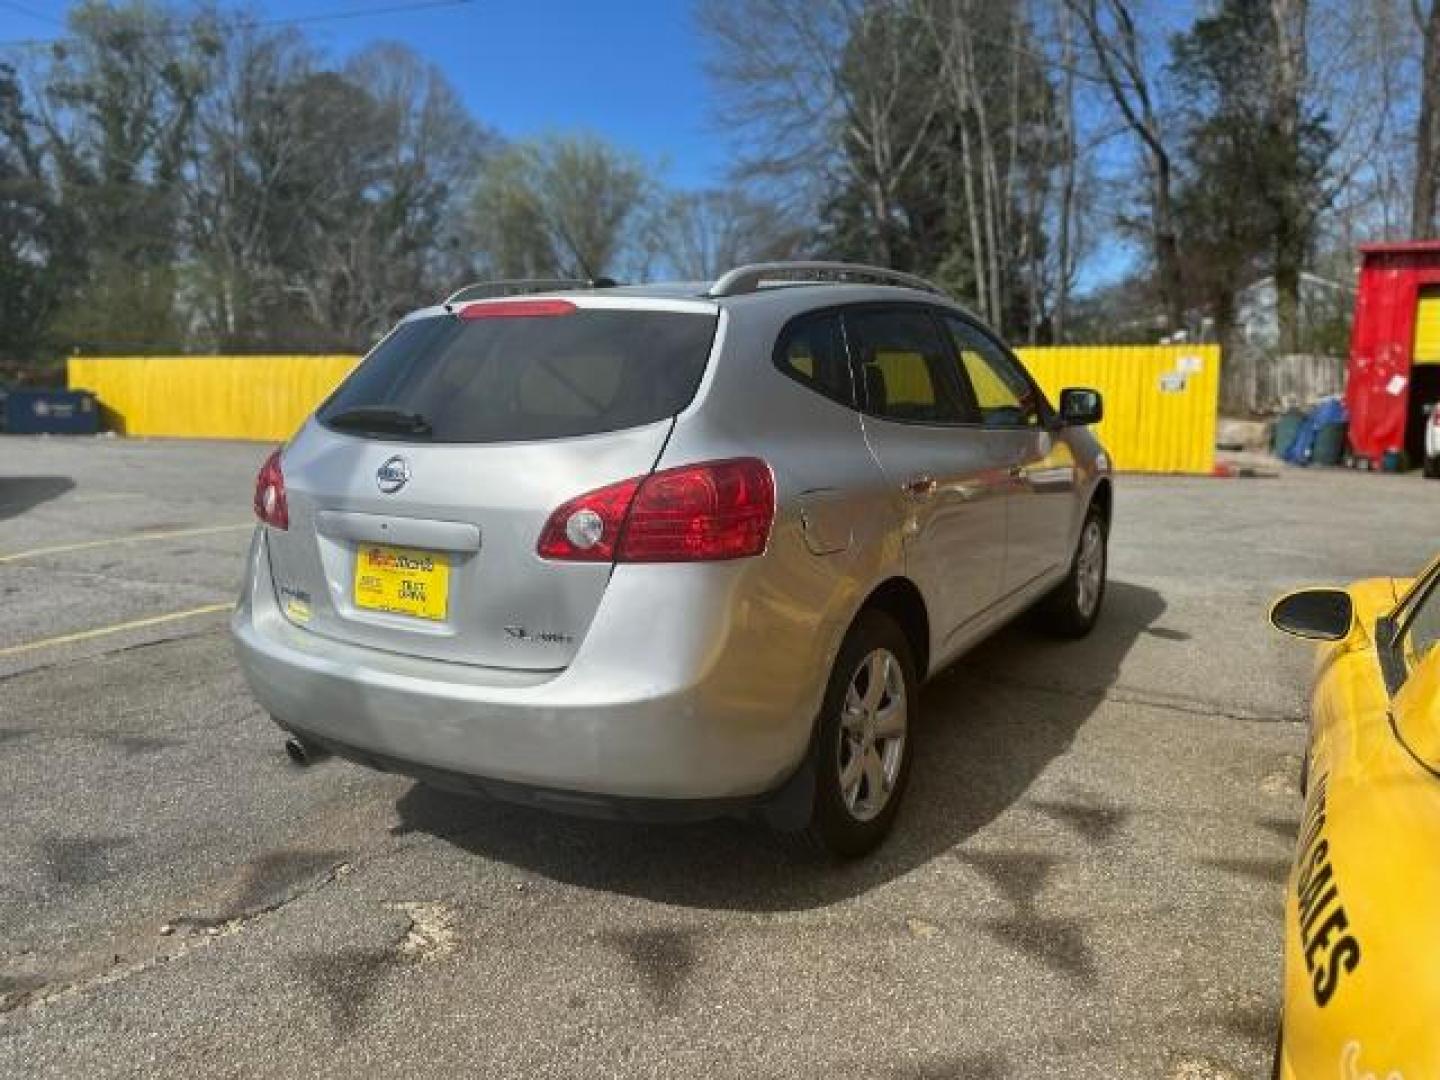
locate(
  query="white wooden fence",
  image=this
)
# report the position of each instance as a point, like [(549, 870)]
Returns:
[(1253, 384)]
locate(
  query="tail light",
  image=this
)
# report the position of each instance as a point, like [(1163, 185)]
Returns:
[(270, 505), (587, 529), (695, 513)]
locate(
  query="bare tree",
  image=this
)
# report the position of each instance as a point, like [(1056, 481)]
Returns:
[(431, 151), (1362, 63), (506, 229), (590, 194), (37, 257), (888, 116), (984, 181), (117, 111), (999, 125), (804, 79), (1423, 212), (702, 234), (1111, 29), (240, 164), (568, 205), (1069, 152), (775, 67), (318, 203), (1293, 210)]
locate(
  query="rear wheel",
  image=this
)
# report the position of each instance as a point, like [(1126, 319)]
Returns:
[(865, 740), (1432, 467), (1074, 606)]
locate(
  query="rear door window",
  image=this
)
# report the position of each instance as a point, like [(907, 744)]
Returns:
[(906, 370), (509, 379)]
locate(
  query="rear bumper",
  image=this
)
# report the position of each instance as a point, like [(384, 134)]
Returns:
[(787, 806), (718, 711)]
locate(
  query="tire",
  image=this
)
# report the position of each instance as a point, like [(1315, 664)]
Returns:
[(1073, 608), (1432, 467), (849, 818)]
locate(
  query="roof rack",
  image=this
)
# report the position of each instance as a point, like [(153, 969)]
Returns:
[(490, 290), (755, 276)]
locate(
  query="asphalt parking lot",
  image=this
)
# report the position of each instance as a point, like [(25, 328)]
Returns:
[(1086, 880)]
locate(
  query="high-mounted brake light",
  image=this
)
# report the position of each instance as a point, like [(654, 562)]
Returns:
[(270, 505), (694, 513), (516, 309)]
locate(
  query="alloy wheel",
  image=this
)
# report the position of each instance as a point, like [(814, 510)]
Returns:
[(1090, 568), (873, 723)]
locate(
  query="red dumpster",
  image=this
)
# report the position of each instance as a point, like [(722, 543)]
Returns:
[(1394, 349)]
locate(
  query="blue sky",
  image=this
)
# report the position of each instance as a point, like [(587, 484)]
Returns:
[(630, 70)]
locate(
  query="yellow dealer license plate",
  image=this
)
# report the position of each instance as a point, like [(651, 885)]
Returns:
[(407, 581)]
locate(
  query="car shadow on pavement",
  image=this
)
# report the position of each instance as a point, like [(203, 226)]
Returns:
[(990, 725), (19, 494)]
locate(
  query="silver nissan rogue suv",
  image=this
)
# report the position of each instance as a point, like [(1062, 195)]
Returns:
[(667, 550)]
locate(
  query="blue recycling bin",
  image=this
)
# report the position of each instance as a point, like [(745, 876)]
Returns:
[(50, 412)]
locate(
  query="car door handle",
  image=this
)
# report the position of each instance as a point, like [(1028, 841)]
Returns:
[(919, 487)]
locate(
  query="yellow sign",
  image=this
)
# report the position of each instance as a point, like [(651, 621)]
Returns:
[(406, 581)]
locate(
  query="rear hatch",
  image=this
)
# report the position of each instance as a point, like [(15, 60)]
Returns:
[(418, 492)]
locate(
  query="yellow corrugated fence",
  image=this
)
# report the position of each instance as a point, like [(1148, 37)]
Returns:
[(1160, 400), (208, 397)]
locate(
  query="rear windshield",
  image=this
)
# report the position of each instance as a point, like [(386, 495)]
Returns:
[(519, 378)]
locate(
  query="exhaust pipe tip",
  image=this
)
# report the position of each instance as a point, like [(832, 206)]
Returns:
[(302, 753)]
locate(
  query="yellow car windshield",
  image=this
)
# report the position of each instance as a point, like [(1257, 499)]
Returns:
[(1418, 617)]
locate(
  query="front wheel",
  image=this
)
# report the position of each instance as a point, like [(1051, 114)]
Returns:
[(1072, 609), (865, 738), (1432, 467)]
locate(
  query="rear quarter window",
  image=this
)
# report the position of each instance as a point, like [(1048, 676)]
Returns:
[(523, 378), (811, 350)]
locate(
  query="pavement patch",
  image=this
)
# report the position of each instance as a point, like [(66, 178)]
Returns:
[(1082, 881)]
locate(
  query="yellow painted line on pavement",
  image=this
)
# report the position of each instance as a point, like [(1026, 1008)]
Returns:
[(135, 538), (117, 628)]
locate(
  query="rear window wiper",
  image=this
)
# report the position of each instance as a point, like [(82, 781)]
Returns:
[(380, 418)]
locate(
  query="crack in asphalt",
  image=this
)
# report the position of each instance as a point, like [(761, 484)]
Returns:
[(1123, 695)]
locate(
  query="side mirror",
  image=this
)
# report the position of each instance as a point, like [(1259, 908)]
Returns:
[(1080, 406), (1317, 614)]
